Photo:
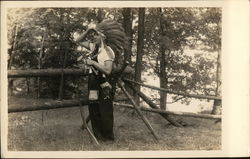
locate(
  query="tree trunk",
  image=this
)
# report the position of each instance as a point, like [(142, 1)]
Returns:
[(139, 55), (100, 15), (127, 25), (12, 48), (65, 48), (28, 85), (217, 103), (11, 54), (216, 107), (153, 105), (62, 80), (163, 79), (163, 74)]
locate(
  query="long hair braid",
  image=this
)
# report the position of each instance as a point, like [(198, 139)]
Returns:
[(115, 38)]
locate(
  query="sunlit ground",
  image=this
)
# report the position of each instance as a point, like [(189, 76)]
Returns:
[(60, 130)]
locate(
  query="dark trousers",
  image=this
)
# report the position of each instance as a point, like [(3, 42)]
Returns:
[(102, 119)]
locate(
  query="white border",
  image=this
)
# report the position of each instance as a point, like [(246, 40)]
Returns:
[(112, 4), (235, 75)]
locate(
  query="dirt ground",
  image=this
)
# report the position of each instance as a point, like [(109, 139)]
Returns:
[(60, 130)]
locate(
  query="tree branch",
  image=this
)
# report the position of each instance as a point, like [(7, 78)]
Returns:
[(176, 100)]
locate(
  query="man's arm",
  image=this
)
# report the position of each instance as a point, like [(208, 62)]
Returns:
[(106, 68), (85, 44), (81, 38)]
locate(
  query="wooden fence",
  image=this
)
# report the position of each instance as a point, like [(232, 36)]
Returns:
[(83, 102), (84, 72)]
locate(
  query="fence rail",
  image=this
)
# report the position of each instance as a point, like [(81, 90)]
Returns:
[(46, 73), (84, 72), (173, 92), (53, 104), (187, 114), (75, 103), (57, 72)]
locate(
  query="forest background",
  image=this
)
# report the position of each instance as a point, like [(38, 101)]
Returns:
[(175, 48)]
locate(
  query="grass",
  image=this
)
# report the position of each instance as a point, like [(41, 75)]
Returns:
[(59, 130)]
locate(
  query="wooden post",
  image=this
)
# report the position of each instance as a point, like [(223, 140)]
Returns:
[(138, 110), (61, 88), (40, 64), (153, 105)]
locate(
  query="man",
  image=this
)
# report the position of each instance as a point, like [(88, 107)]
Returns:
[(106, 42)]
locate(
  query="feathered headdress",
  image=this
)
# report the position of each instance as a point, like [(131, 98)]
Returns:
[(115, 36)]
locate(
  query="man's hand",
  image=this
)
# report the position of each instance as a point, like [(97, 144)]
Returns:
[(91, 27), (89, 62)]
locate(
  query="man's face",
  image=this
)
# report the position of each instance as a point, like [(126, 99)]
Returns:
[(96, 38)]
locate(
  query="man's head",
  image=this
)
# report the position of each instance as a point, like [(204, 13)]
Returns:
[(113, 35), (95, 36)]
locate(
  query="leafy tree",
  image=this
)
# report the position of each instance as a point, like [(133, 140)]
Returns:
[(212, 41), (58, 40), (45, 40), (177, 29)]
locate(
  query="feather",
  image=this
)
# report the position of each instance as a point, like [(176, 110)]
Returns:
[(115, 37)]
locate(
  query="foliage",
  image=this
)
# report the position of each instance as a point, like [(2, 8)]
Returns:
[(183, 29)]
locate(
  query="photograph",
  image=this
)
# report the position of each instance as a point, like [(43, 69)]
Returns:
[(109, 79)]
